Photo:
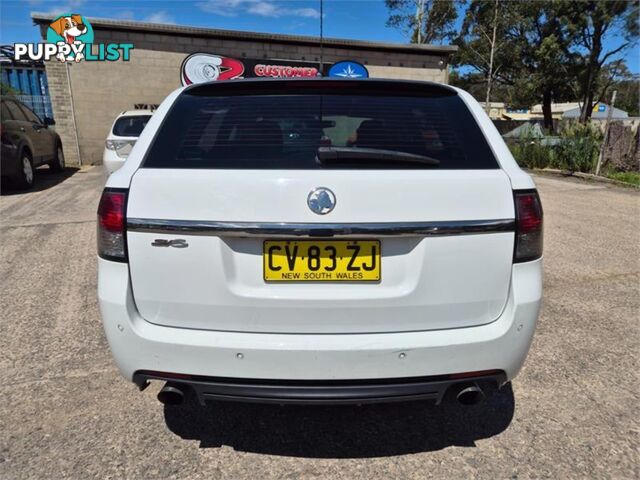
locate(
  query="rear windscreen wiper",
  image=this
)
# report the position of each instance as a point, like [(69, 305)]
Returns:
[(329, 154)]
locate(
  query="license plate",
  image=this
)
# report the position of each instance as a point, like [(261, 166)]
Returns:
[(321, 260)]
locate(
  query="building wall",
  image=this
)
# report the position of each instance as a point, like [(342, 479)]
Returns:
[(62, 110), (407, 73), (101, 90)]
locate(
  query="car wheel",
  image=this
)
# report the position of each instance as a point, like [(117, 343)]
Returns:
[(57, 165), (24, 179)]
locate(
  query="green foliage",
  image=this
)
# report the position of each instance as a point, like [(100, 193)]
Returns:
[(6, 89), (627, 85), (424, 21), (531, 54), (474, 40), (576, 150), (627, 177), (549, 51), (531, 154), (515, 96), (590, 24), (628, 96)]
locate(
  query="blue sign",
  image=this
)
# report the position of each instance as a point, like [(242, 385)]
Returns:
[(348, 69)]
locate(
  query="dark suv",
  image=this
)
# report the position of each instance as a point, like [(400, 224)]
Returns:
[(27, 143)]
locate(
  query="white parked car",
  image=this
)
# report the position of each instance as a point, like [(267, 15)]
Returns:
[(322, 240), (123, 135)]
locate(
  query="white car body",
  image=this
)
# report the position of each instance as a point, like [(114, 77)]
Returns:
[(447, 305), (114, 158)]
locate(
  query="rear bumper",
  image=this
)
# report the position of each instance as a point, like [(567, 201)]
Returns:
[(318, 392), (139, 345)]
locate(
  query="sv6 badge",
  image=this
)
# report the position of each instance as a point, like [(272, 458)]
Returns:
[(177, 243)]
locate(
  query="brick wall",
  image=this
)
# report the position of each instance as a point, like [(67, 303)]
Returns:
[(101, 90)]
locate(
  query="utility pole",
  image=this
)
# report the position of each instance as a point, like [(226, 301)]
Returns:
[(606, 132)]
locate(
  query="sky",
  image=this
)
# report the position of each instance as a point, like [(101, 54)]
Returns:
[(352, 19)]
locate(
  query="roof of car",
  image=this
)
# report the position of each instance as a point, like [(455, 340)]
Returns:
[(257, 85), (130, 113)]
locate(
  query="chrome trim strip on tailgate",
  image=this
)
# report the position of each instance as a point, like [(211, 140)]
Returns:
[(275, 229)]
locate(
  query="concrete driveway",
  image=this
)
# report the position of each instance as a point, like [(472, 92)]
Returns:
[(65, 412)]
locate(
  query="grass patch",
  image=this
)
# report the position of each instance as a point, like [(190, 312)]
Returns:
[(627, 177)]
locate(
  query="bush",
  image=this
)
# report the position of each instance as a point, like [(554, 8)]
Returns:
[(579, 148), (530, 154), (575, 150)]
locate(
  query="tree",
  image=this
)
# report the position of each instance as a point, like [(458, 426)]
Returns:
[(475, 83), (629, 97), (592, 23), (545, 53), (612, 75), (485, 44), (616, 76), (529, 51), (492, 51), (424, 21)]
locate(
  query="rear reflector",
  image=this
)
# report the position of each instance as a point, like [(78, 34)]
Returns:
[(111, 225), (528, 226)]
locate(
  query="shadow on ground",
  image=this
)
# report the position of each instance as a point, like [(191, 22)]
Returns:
[(43, 180), (341, 431)]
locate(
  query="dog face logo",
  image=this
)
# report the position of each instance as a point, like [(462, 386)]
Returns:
[(70, 29), (69, 38)]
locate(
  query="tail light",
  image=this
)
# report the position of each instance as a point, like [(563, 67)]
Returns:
[(121, 147), (528, 226), (112, 225)]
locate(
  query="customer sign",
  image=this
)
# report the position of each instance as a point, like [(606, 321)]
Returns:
[(207, 67)]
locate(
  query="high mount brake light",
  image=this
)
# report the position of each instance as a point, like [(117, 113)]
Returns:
[(112, 225), (528, 226)]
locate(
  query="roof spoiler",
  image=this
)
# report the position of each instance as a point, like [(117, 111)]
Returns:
[(293, 86)]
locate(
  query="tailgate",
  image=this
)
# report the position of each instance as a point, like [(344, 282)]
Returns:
[(432, 278)]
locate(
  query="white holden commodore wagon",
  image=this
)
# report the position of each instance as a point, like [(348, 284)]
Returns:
[(312, 241)]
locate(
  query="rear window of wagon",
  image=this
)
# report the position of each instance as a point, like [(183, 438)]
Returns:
[(130, 125), (284, 131)]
